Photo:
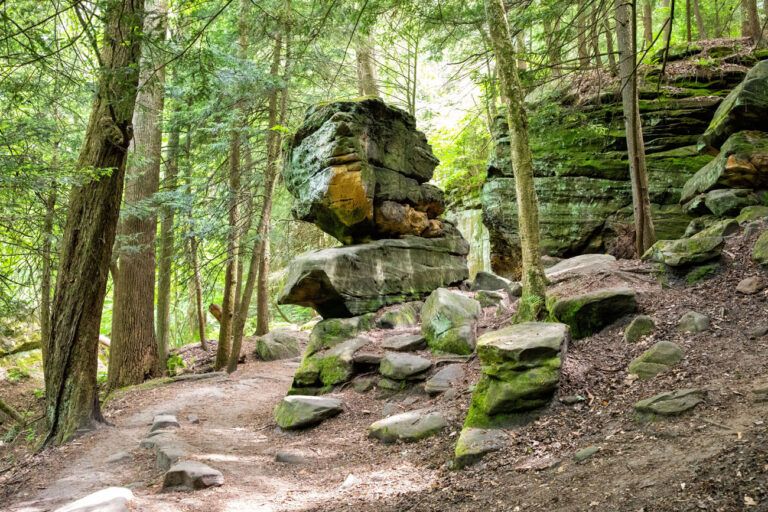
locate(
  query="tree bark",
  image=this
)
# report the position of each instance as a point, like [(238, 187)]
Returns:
[(647, 23), (193, 243), (609, 48), (47, 266), (752, 19), (581, 35), (553, 47), (165, 265), (644, 231), (688, 20), (366, 70), (133, 356), (594, 35), (668, 23), (534, 283), (700, 27), (72, 401)]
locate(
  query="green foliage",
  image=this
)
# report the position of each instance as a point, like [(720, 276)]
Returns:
[(17, 374), (175, 363)]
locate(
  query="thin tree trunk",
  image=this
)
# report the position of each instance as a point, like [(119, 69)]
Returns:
[(668, 23), (366, 70), (72, 401), (609, 48), (165, 265), (522, 65), (534, 283), (193, 244), (553, 47), (688, 20), (133, 356), (594, 35), (644, 231), (752, 19), (47, 265), (700, 27), (647, 23), (581, 35)]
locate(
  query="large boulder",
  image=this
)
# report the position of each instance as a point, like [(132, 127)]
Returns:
[(280, 344), (760, 249), (359, 171), (448, 321), (745, 108), (685, 251), (741, 163), (589, 312), (357, 279)]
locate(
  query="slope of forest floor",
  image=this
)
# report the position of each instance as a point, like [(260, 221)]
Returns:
[(714, 458)]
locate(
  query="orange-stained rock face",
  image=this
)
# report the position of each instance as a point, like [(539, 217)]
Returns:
[(347, 197)]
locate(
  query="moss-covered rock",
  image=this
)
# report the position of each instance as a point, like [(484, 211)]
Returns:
[(588, 313), (404, 315), (693, 322), (448, 321), (702, 272), (398, 366), (297, 411), (760, 249), (280, 344), (685, 251), (670, 403), (729, 201), (640, 326), (657, 359), (408, 427), (752, 213), (522, 346), (474, 443)]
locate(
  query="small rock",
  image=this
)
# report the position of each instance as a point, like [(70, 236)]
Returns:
[(167, 454), (390, 385), (192, 475), (640, 326), (193, 419), (449, 321), (404, 315), (693, 322), (489, 299), (390, 409), (750, 285), (363, 384), (572, 399), (408, 426), (280, 344), (405, 343), (300, 411), (164, 421), (657, 359), (585, 453), (367, 358), (474, 443), (351, 481), (119, 457), (399, 366), (444, 379), (759, 331), (590, 312), (111, 499), (490, 282), (287, 457), (760, 249), (670, 403)]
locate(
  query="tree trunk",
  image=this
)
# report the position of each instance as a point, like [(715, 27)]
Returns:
[(667, 23), (644, 232), (752, 20), (366, 70), (47, 266), (594, 35), (72, 401), (165, 265), (647, 23), (553, 47), (609, 47), (133, 356), (522, 65), (688, 19), (534, 283), (581, 35), (193, 243), (700, 27)]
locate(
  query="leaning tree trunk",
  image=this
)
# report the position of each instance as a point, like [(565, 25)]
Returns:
[(366, 70), (133, 355), (534, 282), (72, 401), (645, 235)]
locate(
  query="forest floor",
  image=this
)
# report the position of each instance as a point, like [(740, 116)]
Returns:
[(714, 458)]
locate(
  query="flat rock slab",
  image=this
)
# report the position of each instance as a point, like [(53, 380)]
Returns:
[(164, 421), (474, 443), (408, 426), (358, 279), (300, 411), (405, 343), (657, 359), (750, 285), (191, 475), (588, 313), (289, 457), (526, 343), (490, 282), (671, 403), (583, 264), (111, 499), (398, 366), (489, 299), (444, 379), (167, 454)]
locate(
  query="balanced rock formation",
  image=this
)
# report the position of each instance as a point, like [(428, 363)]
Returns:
[(359, 171)]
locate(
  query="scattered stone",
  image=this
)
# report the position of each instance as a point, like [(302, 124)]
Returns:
[(287, 457), (670, 403), (168, 453), (750, 285), (153, 439), (390, 385), (760, 249), (729, 201), (111, 499), (408, 426), (363, 384), (329, 367), (584, 264), (752, 213), (657, 359), (347, 281), (585, 453), (193, 419), (191, 475), (489, 299), (390, 409), (398, 366), (723, 228), (444, 379), (474, 443), (405, 343), (760, 393), (300, 411), (119, 457), (759, 331), (685, 251), (572, 399), (693, 322), (698, 224), (640, 326), (490, 282), (164, 421), (588, 313), (448, 322), (280, 344), (351, 481), (405, 315)]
